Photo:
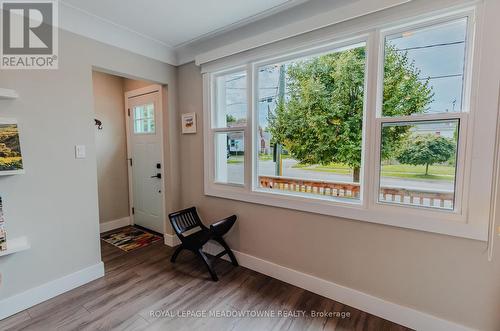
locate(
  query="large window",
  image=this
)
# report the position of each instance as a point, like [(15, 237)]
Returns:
[(375, 127), (310, 122)]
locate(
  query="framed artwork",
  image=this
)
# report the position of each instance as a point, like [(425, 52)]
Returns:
[(189, 123), (11, 160)]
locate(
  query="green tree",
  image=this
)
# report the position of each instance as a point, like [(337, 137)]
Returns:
[(321, 120), (427, 150), (230, 119)]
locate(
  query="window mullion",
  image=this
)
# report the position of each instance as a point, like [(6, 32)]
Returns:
[(228, 130), (422, 117), (249, 133), (369, 122)]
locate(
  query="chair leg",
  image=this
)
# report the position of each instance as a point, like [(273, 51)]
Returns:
[(205, 259), (176, 253), (228, 250)]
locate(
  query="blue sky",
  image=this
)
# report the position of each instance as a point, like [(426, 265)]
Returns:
[(443, 56)]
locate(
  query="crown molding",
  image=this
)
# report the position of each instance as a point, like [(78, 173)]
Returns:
[(261, 15), (83, 23), (86, 24), (341, 14)]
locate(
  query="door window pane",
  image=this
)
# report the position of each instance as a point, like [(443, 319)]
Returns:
[(230, 100), (424, 70), (229, 157), (418, 163), (310, 125), (144, 119)]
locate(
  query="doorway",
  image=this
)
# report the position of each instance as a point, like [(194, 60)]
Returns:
[(129, 148), (145, 156)]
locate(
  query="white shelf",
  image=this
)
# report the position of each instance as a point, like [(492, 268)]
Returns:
[(15, 245), (8, 94)]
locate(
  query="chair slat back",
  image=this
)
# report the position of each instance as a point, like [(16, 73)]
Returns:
[(185, 220)]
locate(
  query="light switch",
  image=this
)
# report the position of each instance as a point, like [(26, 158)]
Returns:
[(80, 151)]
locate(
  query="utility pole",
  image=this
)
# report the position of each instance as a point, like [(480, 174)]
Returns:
[(281, 100)]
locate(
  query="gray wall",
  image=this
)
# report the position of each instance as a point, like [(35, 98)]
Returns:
[(55, 203), (111, 143), (111, 147), (134, 84)]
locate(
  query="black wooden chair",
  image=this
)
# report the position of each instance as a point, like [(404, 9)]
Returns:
[(185, 220)]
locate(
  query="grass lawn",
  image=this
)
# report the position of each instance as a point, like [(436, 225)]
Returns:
[(436, 172), (336, 168), (269, 157), (265, 157), (433, 169), (235, 159)]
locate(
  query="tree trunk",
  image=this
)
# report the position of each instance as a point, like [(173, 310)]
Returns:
[(427, 169), (355, 175)]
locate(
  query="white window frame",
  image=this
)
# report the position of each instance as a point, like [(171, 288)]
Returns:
[(337, 46), (457, 222), (142, 119), (211, 131), (462, 172)]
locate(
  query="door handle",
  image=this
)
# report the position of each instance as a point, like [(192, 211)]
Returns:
[(156, 176)]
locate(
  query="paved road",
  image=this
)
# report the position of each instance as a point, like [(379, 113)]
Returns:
[(266, 168)]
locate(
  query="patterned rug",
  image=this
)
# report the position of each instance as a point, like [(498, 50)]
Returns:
[(131, 238)]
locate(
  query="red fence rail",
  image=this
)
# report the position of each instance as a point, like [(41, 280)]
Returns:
[(414, 196)]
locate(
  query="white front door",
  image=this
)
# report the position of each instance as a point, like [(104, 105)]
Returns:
[(146, 159)]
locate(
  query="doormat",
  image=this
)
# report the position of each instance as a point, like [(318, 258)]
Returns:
[(130, 238)]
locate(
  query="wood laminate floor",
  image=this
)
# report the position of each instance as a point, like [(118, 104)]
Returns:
[(142, 290)]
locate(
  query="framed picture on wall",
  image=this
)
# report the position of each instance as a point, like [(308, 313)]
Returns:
[(189, 123), (11, 159)]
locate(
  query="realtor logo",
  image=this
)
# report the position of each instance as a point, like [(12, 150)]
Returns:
[(29, 35)]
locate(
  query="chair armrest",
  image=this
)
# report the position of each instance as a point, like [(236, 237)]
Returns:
[(222, 227)]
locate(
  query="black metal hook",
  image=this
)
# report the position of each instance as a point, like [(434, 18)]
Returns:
[(98, 124)]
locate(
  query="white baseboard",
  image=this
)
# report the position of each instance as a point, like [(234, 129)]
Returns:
[(114, 224), (34, 296), (171, 240), (403, 315)]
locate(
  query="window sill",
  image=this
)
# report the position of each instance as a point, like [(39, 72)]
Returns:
[(441, 222)]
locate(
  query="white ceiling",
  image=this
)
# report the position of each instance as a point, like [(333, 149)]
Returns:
[(180, 31), (177, 22)]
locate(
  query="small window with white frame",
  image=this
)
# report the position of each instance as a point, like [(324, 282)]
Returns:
[(144, 119), (228, 126)]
